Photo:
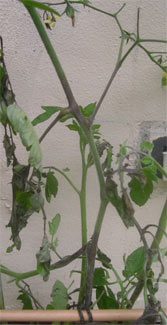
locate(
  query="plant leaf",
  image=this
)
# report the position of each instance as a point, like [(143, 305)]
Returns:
[(146, 145), (49, 111), (104, 300), (54, 224), (44, 259), (100, 277), (148, 160), (59, 295), (51, 186), (139, 192), (21, 124), (39, 5), (164, 79), (88, 110), (25, 299), (134, 262)]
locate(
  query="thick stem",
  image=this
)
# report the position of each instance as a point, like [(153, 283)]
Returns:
[(92, 247), (83, 224), (2, 304), (156, 242), (51, 52), (91, 253), (56, 63)]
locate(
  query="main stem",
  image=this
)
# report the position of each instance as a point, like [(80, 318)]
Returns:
[(92, 248), (83, 223), (2, 304)]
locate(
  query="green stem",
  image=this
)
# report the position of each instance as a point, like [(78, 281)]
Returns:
[(61, 263), (83, 223), (156, 242), (65, 176), (2, 303), (51, 52), (93, 150), (91, 253), (91, 250)]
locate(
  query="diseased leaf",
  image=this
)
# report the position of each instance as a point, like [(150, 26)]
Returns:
[(44, 259), (25, 299), (103, 258), (21, 207), (39, 5), (21, 124), (9, 149), (3, 113), (49, 111), (128, 210), (54, 224), (134, 262), (51, 186)]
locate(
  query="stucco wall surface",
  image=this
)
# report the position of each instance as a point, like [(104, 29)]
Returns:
[(88, 53)]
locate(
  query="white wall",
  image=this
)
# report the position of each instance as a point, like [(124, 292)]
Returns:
[(88, 53)]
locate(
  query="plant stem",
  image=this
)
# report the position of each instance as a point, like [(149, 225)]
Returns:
[(51, 52), (83, 223), (61, 263), (2, 304), (156, 242), (65, 176), (91, 253)]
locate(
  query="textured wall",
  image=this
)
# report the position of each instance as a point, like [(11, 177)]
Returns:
[(134, 109)]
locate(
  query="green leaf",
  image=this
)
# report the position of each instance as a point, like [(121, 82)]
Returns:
[(39, 5), (49, 111), (148, 160), (106, 299), (74, 126), (59, 295), (134, 263), (146, 145), (88, 110), (25, 299), (150, 172), (51, 186), (10, 249), (70, 11), (21, 124), (66, 170), (54, 224), (140, 193), (100, 277), (164, 79)]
